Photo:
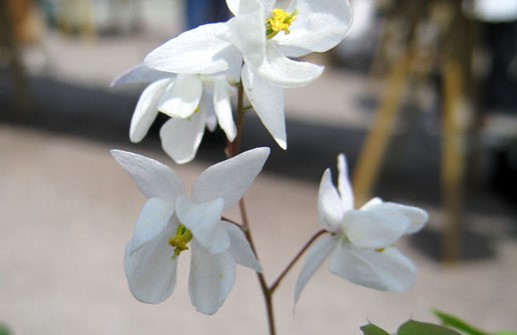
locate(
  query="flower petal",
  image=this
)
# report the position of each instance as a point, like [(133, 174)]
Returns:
[(417, 217), (223, 107), (240, 248), (152, 221), (320, 25), (181, 138), (371, 203), (229, 179), (374, 228), (150, 270), (196, 51), (154, 179), (140, 74), (284, 72), (247, 32), (211, 279), (345, 189), (268, 102), (241, 6), (330, 207), (315, 257), (146, 110), (203, 220), (181, 99), (388, 270)]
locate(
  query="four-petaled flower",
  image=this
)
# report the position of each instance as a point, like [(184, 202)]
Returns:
[(360, 243), (170, 223), (192, 101)]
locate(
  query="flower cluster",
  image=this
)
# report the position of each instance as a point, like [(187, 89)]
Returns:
[(193, 78)]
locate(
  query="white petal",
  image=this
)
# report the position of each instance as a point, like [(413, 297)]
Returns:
[(206, 106), (315, 257), (152, 221), (150, 270), (229, 179), (183, 97), (181, 138), (268, 102), (211, 279), (371, 203), (284, 72), (389, 270), (140, 74), (247, 32), (196, 51), (146, 110), (417, 217), (242, 6), (233, 6), (223, 108), (373, 228), (240, 248), (345, 189), (320, 25), (203, 220), (330, 207), (154, 179)]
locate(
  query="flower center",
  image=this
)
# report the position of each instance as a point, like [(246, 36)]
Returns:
[(279, 21), (180, 240)]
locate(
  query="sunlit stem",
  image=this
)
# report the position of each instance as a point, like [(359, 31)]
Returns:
[(296, 258), (232, 149)]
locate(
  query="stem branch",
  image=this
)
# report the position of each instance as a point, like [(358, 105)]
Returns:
[(300, 253)]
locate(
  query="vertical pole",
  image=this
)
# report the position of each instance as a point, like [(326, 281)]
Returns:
[(9, 42)]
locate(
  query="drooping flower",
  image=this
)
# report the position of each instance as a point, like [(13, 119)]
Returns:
[(194, 102), (171, 223), (264, 37), (360, 243)]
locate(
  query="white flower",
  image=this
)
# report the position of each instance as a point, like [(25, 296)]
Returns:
[(170, 223), (192, 101), (360, 245), (267, 36), (264, 37)]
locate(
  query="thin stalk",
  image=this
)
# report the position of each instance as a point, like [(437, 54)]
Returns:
[(268, 296), (233, 149), (300, 253)]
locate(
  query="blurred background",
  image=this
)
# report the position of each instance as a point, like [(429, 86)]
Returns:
[(421, 97)]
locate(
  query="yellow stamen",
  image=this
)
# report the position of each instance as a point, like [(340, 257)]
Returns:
[(180, 240), (279, 21), (380, 250)]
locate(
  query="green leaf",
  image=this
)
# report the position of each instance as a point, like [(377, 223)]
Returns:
[(422, 328), (4, 330), (454, 322), (371, 329), (506, 333)]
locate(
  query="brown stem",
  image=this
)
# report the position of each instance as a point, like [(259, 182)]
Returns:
[(268, 296), (275, 284), (232, 149)]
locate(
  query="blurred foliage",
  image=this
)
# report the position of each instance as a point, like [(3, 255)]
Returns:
[(451, 325), (4, 330), (456, 323), (411, 327)]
